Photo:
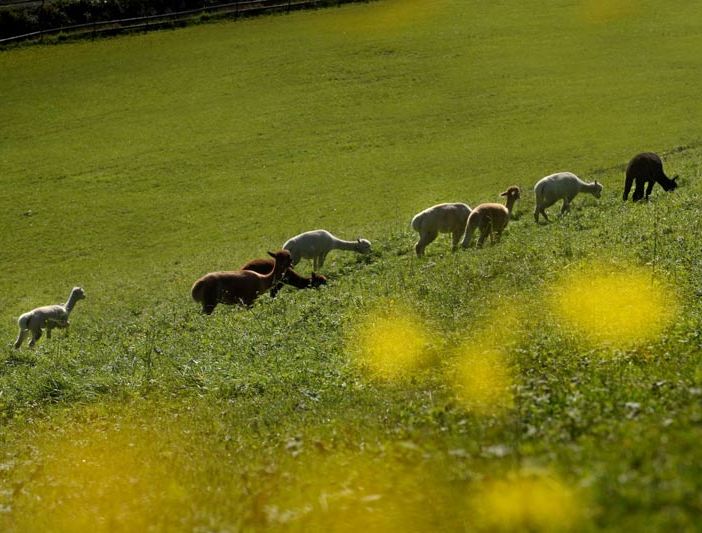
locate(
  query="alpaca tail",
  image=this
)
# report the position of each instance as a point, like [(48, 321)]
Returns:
[(471, 226), (23, 321), (198, 290), (417, 222)]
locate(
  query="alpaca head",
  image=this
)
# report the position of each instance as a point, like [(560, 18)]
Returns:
[(316, 280), (363, 246), (671, 184), (513, 193), (597, 189), (77, 293)]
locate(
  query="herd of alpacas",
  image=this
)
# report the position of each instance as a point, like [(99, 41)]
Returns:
[(258, 276)]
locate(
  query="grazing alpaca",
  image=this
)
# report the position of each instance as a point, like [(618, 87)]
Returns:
[(646, 167), (290, 277), (492, 219), (561, 186), (49, 317), (238, 287), (441, 218), (317, 244)]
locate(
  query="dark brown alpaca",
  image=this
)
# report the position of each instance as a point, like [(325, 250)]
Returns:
[(239, 286), (646, 167), (290, 277)]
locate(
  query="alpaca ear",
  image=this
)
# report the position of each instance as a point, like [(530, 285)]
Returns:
[(506, 193), (596, 182), (271, 254), (675, 177)]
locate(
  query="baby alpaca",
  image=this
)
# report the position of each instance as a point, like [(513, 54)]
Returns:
[(47, 317), (265, 266), (561, 186), (239, 286), (492, 219), (646, 168), (317, 244), (441, 218)]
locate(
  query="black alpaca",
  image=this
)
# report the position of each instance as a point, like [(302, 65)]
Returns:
[(646, 167)]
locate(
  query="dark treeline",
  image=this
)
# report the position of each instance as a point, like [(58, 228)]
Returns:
[(26, 17)]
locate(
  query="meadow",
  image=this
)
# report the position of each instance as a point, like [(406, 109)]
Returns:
[(550, 382)]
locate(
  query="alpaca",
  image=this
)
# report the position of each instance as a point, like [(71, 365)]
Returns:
[(48, 317), (317, 244), (491, 218), (239, 286), (561, 186), (290, 277), (646, 167), (441, 218)]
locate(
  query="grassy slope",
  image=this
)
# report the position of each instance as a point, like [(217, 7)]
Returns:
[(138, 159)]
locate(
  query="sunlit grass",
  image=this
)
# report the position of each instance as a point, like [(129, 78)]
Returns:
[(482, 374), (526, 501), (392, 15), (483, 380), (390, 342), (351, 492), (600, 11), (99, 478), (613, 305)]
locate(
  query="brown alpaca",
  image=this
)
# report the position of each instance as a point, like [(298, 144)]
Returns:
[(239, 286), (290, 277), (491, 219)]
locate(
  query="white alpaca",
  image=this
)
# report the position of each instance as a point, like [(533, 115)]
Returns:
[(317, 244), (441, 218), (561, 186), (48, 317), (491, 218)]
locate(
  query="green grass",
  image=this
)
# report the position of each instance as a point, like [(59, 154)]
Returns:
[(131, 166)]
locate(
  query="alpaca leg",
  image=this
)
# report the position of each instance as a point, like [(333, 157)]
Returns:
[(484, 232), (36, 335), (627, 186), (566, 206), (322, 258), (649, 189), (425, 239), (276, 288), (20, 337), (639, 190), (537, 210), (48, 332), (469, 235), (209, 299), (543, 212), (457, 234)]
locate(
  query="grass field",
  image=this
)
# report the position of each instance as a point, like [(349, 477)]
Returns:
[(551, 382)]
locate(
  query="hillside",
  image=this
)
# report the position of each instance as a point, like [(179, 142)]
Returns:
[(549, 382)]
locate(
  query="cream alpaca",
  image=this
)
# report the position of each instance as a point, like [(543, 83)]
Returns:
[(317, 244), (561, 186), (441, 218), (47, 317), (492, 219)]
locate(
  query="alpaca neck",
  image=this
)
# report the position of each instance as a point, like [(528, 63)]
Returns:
[(72, 299), (587, 187), (275, 275), (340, 244), (296, 280), (510, 204)]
